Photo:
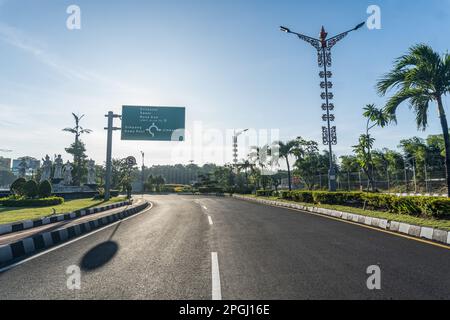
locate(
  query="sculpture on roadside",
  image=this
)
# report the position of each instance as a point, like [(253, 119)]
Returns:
[(59, 163), (46, 169), (67, 173), (91, 172)]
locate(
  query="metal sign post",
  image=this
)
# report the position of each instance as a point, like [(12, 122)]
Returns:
[(110, 130), (143, 123)]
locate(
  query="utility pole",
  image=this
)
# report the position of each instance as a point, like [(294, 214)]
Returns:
[(143, 175), (110, 128), (323, 46)]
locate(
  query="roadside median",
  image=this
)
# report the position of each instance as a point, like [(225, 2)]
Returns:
[(428, 233), (39, 242), (28, 224)]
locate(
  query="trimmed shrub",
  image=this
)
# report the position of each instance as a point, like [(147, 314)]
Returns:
[(30, 189), (23, 202), (264, 193), (302, 196), (210, 190), (339, 198), (285, 194), (409, 205), (44, 189), (17, 186), (436, 207)]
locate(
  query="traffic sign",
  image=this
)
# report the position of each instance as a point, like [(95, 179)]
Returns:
[(131, 161), (153, 123)]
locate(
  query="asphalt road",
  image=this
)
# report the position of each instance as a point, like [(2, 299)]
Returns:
[(170, 252)]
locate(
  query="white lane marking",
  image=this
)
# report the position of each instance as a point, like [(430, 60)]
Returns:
[(210, 220), (72, 241), (204, 207), (216, 290)]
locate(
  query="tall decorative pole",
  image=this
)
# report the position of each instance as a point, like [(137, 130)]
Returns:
[(323, 47), (235, 146)]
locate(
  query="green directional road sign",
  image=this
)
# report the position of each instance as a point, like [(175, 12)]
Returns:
[(153, 123)]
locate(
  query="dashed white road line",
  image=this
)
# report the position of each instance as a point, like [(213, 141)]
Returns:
[(204, 207), (210, 220), (216, 290)]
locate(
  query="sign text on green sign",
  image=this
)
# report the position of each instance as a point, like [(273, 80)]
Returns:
[(153, 123)]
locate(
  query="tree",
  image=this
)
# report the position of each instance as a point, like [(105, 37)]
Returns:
[(363, 155), (246, 166), (375, 117), (420, 77), (308, 163), (78, 149), (286, 150)]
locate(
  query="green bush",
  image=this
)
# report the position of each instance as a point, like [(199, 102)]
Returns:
[(409, 205), (45, 189), (30, 189), (17, 187), (436, 207), (302, 196), (210, 190), (285, 194), (264, 193), (23, 202)]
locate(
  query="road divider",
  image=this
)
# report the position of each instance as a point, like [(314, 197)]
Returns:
[(427, 233), (42, 241), (29, 224)]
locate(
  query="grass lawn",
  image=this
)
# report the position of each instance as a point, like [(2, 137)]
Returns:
[(443, 224), (9, 214)]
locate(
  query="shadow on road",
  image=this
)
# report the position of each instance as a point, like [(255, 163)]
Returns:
[(98, 256)]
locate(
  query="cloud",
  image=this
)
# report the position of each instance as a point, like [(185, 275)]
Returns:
[(20, 40)]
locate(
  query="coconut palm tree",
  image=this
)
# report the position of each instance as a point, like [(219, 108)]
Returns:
[(287, 149), (420, 77)]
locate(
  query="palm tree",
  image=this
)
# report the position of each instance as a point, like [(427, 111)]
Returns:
[(421, 76), (287, 149), (77, 148), (77, 130), (375, 117), (245, 166)]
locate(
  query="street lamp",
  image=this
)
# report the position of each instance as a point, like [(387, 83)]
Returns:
[(323, 46), (235, 145)]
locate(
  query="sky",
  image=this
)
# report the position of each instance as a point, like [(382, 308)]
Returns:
[(224, 60)]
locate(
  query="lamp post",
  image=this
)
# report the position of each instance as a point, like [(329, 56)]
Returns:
[(323, 46), (235, 146)]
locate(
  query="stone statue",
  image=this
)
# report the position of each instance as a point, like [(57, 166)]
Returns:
[(91, 172), (23, 166), (58, 168), (67, 173), (46, 169)]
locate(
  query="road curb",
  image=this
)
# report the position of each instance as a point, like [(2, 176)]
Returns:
[(29, 224), (427, 233), (46, 240)]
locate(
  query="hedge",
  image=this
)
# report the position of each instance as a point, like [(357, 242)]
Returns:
[(264, 193), (409, 205), (23, 202), (210, 190)]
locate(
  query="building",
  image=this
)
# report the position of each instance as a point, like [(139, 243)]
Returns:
[(32, 165), (5, 164)]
